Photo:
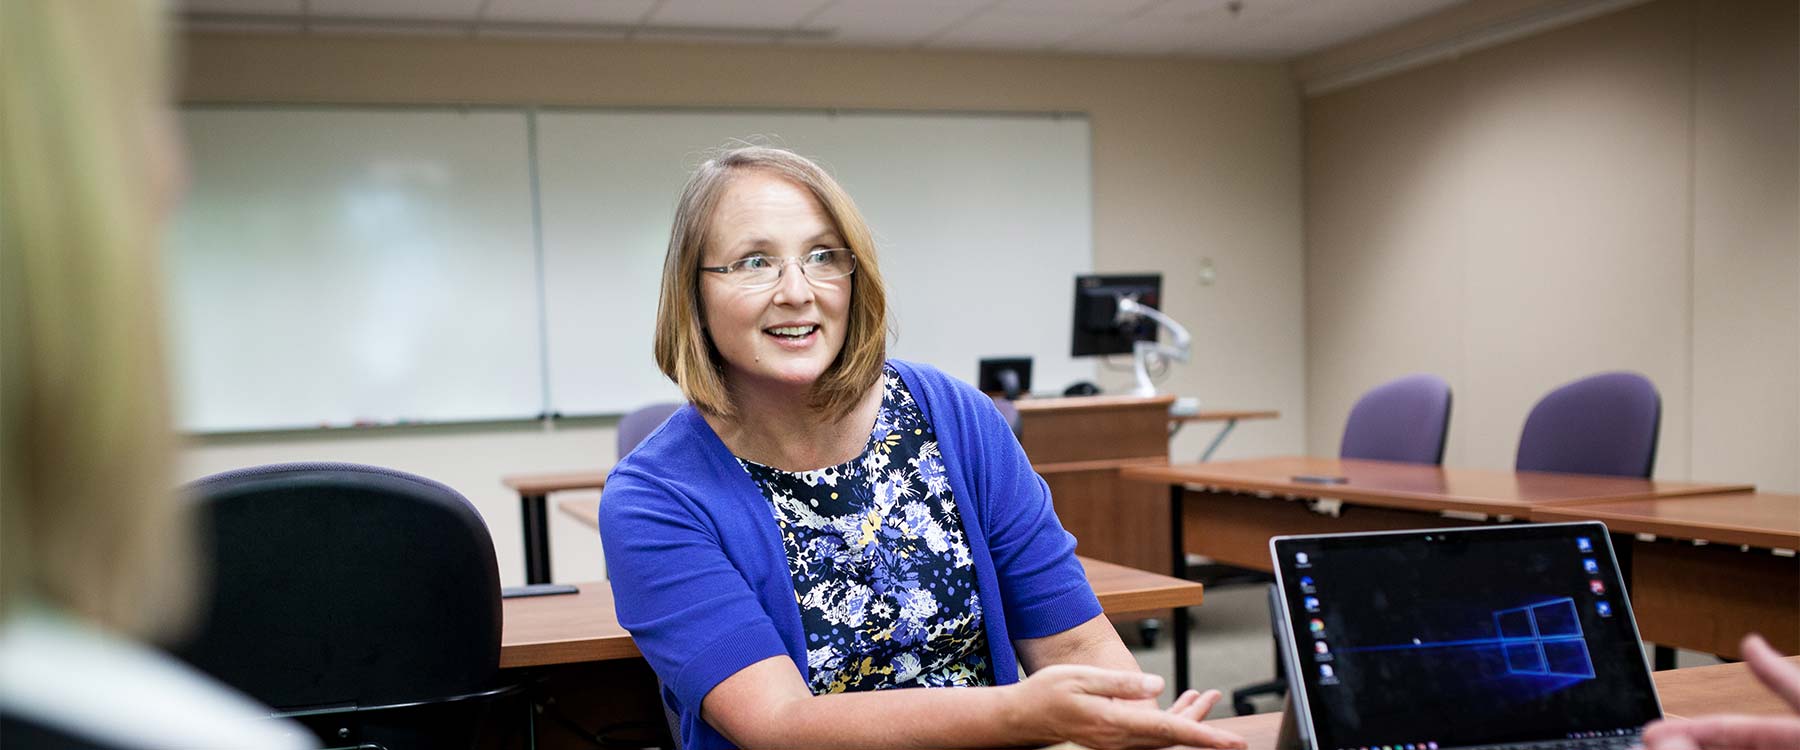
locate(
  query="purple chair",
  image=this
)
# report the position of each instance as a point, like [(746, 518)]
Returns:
[(1601, 424), (1400, 420), (636, 426), (1009, 411)]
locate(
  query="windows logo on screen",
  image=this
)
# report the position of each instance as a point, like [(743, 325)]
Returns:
[(1544, 639)]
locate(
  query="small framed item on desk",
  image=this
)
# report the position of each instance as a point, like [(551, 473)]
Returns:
[(537, 589)]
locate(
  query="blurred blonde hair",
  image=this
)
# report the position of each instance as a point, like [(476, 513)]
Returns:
[(683, 349), (89, 522)]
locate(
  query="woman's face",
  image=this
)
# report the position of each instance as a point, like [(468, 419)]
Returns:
[(788, 335)]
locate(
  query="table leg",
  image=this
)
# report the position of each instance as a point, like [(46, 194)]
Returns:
[(1217, 439), (537, 538), (1661, 657), (1178, 632)]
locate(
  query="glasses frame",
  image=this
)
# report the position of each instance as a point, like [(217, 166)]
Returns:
[(736, 268)]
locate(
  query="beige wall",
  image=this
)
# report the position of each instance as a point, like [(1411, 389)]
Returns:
[(1192, 160), (1617, 194)]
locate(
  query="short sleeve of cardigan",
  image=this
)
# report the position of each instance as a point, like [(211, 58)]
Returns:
[(691, 613), (1044, 588)]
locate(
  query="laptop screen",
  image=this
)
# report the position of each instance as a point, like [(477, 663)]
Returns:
[(1449, 638)]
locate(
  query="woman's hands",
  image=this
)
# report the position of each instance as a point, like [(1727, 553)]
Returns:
[(1106, 709), (1740, 732)]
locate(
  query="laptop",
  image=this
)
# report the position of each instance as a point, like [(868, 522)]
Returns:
[(1516, 636)]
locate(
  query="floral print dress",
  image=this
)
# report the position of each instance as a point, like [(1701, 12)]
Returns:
[(881, 568)]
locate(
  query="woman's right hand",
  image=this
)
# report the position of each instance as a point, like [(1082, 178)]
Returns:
[(1730, 732), (1105, 709)]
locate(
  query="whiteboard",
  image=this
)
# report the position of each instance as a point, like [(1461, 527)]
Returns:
[(981, 223), (339, 266), (333, 267)]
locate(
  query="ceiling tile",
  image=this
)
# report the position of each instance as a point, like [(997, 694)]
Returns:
[(1077, 7), (1009, 30), (1139, 36), (621, 12), (887, 22)]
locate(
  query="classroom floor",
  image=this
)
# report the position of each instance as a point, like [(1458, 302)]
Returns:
[(1230, 646)]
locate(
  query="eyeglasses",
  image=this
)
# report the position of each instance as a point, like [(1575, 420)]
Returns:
[(759, 272)]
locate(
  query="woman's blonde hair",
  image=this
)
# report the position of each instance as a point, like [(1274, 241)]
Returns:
[(89, 522), (683, 350)]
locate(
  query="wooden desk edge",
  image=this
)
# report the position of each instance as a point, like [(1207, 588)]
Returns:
[(544, 484), (547, 653), (1079, 403), (1226, 415), (1687, 530), (1173, 474)]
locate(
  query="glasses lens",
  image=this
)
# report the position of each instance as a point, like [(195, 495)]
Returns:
[(755, 273), (825, 265)]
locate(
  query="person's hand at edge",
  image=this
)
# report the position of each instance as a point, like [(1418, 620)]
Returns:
[(1099, 709), (1735, 731)]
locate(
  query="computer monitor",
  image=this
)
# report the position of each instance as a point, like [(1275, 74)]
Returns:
[(1010, 376), (1096, 330)]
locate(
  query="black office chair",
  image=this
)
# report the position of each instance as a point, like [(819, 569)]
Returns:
[(363, 602)]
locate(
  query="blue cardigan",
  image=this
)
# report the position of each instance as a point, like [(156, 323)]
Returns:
[(700, 580)]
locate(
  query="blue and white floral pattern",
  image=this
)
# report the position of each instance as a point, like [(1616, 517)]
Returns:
[(882, 571)]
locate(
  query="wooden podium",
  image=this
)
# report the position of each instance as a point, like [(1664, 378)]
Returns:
[(1078, 444)]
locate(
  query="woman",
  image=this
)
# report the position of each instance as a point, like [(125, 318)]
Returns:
[(821, 524), (93, 540)]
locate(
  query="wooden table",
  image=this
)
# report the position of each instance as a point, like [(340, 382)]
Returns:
[(1226, 509), (534, 490), (1219, 507), (1727, 688), (1230, 418), (1076, 443), (544, 630), (1707, 596)]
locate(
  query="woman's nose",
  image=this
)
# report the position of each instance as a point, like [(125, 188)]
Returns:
[(792, 287)]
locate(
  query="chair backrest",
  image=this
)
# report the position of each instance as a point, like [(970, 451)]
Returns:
[(1602, 424), (1406, 419), (340, 585), (1009, 411), (636, 426)]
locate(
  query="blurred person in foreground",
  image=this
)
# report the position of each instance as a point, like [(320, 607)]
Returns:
[(94, 541), (1734, 731)]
